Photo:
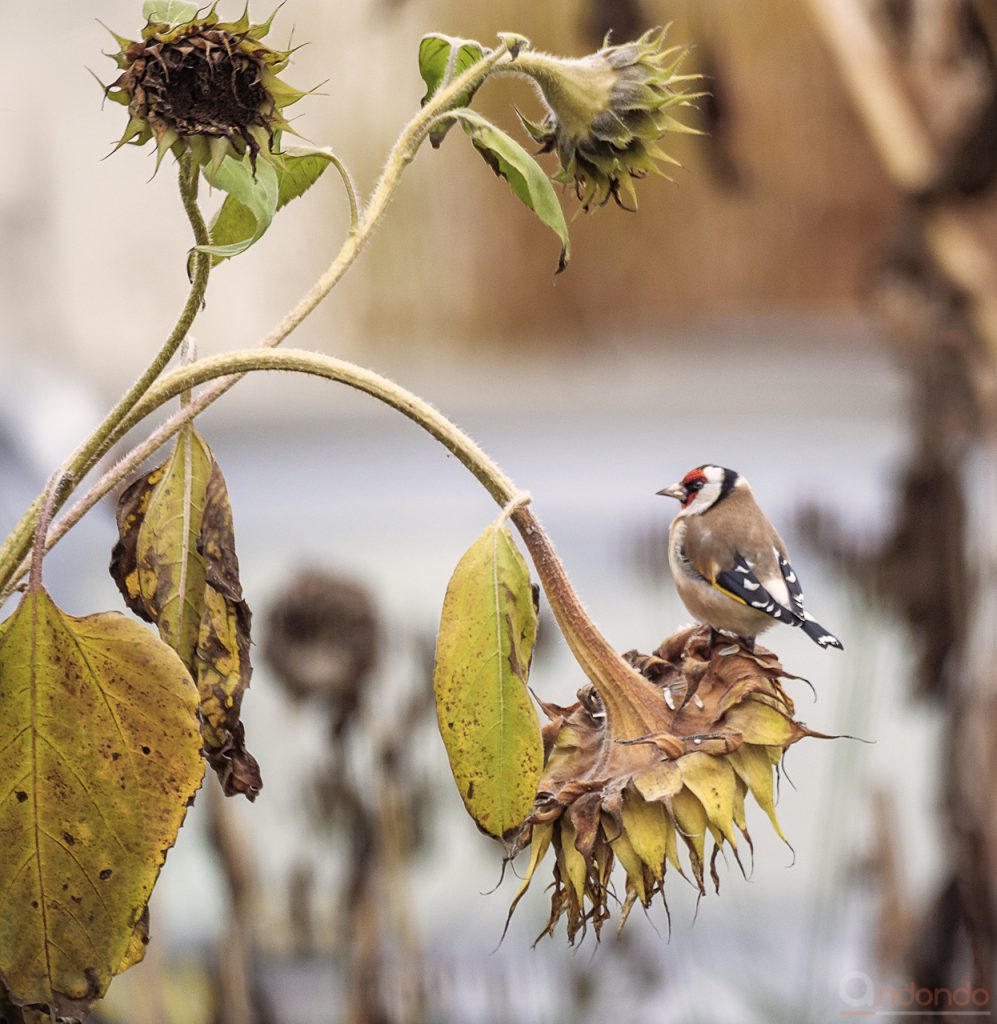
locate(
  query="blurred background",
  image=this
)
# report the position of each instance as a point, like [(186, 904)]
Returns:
[(812, 301)]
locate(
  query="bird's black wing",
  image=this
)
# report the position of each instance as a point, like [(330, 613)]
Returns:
[(741, 583), (793, 586)]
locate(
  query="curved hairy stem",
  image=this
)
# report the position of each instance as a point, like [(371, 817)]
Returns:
[(365, 221), (100, 441), (632, 704), (230, 364), (363, 224)]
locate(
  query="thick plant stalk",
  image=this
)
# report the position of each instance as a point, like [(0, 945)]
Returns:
[(875, 83), (633, 706), (99, 443)]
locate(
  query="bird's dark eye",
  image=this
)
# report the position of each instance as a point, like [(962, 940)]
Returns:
[(694, 485)]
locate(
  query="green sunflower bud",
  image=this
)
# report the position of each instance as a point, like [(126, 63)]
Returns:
[(202, 86), (606, 113)]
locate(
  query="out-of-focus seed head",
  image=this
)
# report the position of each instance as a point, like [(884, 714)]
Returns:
[(727, 721), (203, 86), (606, 113)]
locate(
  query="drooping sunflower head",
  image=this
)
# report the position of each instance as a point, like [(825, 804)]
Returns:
[(606, 113), (661, 800), (200, 85)]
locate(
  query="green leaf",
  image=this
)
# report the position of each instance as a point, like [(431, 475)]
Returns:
[(175, 565), (100, 758), (526, 178), (441, 60), (169, 12), (250, 207), (298, 169), (486, 717)]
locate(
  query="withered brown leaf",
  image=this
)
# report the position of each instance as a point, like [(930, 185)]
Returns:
[(175, 565)]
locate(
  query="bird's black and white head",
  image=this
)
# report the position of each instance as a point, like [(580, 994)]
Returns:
[(701, 488)]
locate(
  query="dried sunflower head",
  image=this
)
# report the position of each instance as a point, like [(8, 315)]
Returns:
[(726, 723), (606, 113), (202, 86)]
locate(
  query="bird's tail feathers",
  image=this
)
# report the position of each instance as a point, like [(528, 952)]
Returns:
[(819, 634)]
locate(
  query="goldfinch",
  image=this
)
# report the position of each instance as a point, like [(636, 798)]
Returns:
[(730, 567)]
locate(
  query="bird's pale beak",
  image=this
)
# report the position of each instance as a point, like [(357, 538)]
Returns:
[(675, 491)]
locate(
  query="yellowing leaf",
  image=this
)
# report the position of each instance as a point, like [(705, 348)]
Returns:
[(175, 565), (711, 780), (753, 765), (691, 822), (739, 818), (573, 866), (539, 845), (646, 826), (101, 753), (758, 722), (487, 720), (135, 953), (659, 782), (628, 857)]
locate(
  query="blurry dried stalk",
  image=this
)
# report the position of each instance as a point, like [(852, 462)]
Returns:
[(729, 722), (322, 638), (921, 568), (894, 924), (951, 71), (952, 554)]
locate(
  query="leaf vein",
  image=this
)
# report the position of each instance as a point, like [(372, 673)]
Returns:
[(93, 800), (66, 848)]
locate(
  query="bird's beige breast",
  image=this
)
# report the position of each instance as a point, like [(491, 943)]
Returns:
[(705, 603)]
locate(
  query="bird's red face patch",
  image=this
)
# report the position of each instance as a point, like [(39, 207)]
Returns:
[(693, 482)]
